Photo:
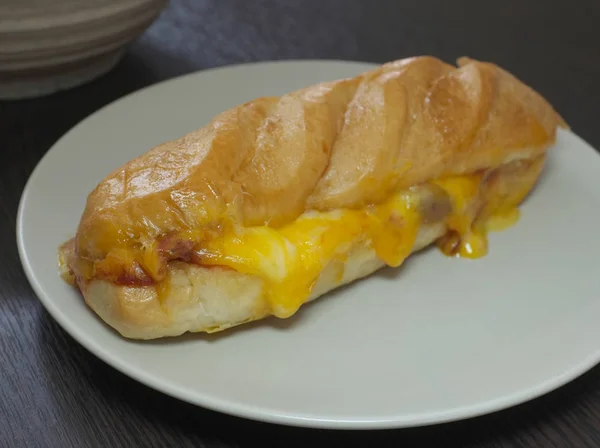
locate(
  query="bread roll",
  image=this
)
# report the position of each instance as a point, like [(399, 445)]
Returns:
[(281, 199)]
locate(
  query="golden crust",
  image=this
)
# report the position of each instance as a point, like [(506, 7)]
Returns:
[(338, 144)]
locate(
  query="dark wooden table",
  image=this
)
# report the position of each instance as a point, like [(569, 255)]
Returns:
[(53, 393)]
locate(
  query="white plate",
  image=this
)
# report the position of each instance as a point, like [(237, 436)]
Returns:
[(437, 340)]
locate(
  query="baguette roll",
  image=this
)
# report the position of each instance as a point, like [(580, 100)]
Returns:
[(280, 200)]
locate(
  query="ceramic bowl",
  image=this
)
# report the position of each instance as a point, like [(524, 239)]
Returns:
[(47, 46)]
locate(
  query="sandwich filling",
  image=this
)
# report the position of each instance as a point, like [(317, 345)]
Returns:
[(290, 258)]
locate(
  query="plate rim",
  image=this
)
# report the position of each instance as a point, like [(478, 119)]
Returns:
[(246, 411)]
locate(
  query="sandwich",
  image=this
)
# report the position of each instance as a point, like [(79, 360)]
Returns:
[(279, 200)]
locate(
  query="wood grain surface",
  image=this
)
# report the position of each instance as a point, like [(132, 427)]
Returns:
[(53, 393)]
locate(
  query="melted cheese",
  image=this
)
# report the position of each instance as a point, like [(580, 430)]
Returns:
[(462, 239), (503, 220), (291, 258), (471, 220), (482, 205)]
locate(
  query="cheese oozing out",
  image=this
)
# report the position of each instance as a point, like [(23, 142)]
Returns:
[(290, 259)]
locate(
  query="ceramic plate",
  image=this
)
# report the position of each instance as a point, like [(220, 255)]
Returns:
[(438, 339)]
